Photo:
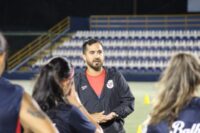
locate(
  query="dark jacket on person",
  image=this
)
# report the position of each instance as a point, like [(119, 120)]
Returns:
[(10, 101), (115, 97), (68, 119), (187, 121)]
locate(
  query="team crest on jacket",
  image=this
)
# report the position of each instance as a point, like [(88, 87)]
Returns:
[(110, 84)]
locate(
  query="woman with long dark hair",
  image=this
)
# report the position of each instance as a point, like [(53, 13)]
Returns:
[(177, 108), (55, 93)]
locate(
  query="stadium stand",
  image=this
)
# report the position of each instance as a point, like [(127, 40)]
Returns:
[(134, 51), (137, 45)]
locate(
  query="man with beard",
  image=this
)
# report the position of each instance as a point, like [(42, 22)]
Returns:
[(103, 91)]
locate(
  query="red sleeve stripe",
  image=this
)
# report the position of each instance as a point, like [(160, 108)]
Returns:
[(18, 129)]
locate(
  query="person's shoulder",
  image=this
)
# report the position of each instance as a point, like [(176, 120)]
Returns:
[(79, 72), (5, 83), (191, 109), (112, 71), (195, 103)]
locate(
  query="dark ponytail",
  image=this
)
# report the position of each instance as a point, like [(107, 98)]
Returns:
[(47, 91)]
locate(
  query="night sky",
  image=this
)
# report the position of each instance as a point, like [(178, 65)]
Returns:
[(42, 14)]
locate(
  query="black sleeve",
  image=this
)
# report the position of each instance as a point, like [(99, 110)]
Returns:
[(126, 97), (58, 121), (80, 123), (77, 80)]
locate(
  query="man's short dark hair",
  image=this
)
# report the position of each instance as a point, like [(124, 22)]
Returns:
[(89, 42)]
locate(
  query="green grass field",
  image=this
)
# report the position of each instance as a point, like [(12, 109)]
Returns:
[(139, 90)]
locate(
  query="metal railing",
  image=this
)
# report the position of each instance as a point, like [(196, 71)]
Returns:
[(127, 22), (36, 45)]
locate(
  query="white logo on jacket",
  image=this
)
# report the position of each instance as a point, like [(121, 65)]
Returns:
[(83, 87), (178, 127), (110, 84)]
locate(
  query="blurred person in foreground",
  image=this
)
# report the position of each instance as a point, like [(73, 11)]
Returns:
[(16, 104), (177, 108), (55, 93)]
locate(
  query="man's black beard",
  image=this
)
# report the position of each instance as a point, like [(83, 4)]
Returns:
[(95, 68)]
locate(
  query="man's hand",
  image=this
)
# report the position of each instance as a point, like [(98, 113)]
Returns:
[(101, 118), (111, 116)]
